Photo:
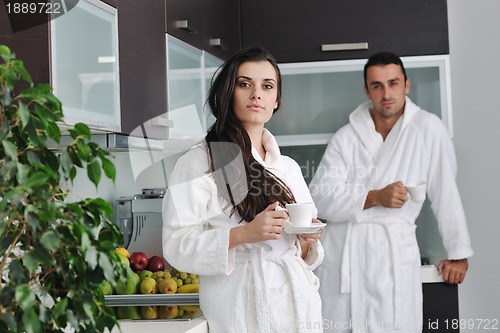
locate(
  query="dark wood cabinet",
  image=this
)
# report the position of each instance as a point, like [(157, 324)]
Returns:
[(184, 21), (221, 27), (296, 32), (210, 25), (142, 61), (30, 45), (440, 313)]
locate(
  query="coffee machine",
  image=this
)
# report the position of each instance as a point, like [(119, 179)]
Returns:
[(139, 217)]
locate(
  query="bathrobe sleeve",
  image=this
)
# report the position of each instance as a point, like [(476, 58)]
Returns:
[(337, 196), (443, 191), (190, 242)]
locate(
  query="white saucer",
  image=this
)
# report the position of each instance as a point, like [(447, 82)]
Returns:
[(304, 230)]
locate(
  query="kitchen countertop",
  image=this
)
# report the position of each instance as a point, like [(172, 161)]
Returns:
[(430, 274)]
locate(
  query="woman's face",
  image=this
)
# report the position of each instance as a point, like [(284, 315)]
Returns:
[(256, 93)]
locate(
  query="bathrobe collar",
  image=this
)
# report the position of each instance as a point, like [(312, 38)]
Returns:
[(363, 125), (272, 150)]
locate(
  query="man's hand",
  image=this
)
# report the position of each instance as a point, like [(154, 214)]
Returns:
[(392, 196), (453, 271)]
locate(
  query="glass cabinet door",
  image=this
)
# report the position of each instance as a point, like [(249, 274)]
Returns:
[(185, 89), (85, 64), (319, 96)]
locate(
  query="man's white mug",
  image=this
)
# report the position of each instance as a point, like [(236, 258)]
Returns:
[(300, 214), (417, 191)]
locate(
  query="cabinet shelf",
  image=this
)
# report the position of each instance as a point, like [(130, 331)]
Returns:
[(152, 299)]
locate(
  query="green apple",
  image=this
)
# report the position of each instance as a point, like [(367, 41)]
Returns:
[(145, 273)]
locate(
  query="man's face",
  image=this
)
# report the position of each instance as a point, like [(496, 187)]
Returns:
[(387, 89)]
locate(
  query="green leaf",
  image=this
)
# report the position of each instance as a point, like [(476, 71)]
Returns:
[(36, 179), (91, 257), (83, 130), (31, 322), (109, 169), (30, 261), (25, 297), (50, 240), (53, 131), (10, 149), (24, 113), (17, 272), (60, 308), (94, 172), (107, 267), (23, 171)]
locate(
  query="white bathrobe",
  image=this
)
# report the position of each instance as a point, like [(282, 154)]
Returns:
[(260, 287), (370, 278)]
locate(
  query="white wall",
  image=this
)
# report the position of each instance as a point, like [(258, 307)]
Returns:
[(474, 27)]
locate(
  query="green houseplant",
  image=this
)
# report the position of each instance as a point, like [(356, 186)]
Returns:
[(54, 254)]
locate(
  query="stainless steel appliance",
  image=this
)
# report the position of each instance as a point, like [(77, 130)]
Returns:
[(139, 218)]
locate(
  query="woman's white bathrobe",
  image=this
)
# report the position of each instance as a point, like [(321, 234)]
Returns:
[(370, 278), (261, 287)]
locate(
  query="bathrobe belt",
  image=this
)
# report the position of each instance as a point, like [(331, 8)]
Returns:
[(351, 255), (288, 261)]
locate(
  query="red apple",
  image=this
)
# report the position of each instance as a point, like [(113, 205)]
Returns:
[(156, 263), (138, 261)]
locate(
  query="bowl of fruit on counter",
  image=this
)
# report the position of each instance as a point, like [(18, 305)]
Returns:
[(151, 289)]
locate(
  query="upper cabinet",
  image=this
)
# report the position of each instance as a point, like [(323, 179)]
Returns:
[(209, 25), (85, 70), (343, 29), (143, 73)]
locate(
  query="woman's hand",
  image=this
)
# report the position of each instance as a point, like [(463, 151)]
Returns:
[(306, 239), (267, 225)]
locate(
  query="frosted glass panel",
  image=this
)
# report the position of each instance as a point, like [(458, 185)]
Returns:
[(185, 78), (211, 66), (319, 99), (85, 64)]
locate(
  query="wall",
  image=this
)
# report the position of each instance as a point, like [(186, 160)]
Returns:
[(474, 56)]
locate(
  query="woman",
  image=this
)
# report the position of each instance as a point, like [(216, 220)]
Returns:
[(220, 217)]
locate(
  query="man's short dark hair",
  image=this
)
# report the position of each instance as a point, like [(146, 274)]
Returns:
[(383, 58)]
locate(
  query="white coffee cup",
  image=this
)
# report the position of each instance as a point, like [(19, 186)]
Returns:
[(300, 214), (417, 191)]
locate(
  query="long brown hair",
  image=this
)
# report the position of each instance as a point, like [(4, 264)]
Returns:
[(251, 190)]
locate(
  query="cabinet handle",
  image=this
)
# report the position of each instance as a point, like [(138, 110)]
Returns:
[(344, 47), (184, 25), (216, 42)]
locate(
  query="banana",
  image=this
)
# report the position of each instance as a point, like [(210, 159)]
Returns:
[(188, 288)]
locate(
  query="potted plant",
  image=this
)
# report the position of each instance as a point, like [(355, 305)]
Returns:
[(54, 253)]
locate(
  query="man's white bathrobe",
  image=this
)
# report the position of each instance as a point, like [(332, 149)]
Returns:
[(260, 287), (370, 278)]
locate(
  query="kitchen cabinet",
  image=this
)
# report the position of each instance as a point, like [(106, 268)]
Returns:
[(209, 25), (305, 30), (30, 45), (142, 54), (190, 71), (140, 91), (85, 69), (221, 27), (440, 302), (318, 97)]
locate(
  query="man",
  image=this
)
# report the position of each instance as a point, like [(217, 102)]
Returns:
[(370, 277)]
